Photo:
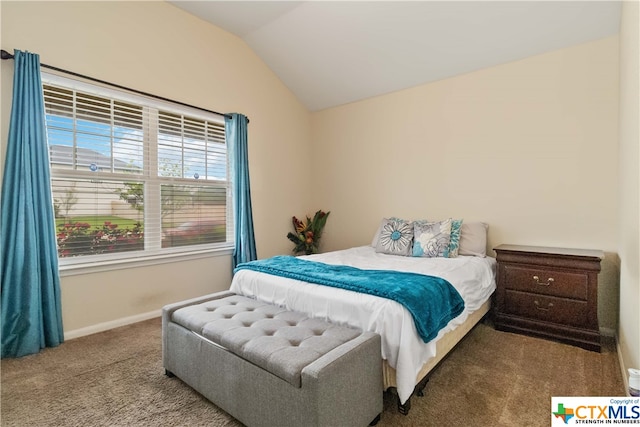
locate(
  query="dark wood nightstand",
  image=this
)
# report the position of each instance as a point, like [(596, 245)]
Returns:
[(549, 292)]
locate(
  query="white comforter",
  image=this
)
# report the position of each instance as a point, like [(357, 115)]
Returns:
[(402, 347)]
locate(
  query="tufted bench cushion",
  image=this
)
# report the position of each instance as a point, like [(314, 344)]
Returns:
[(267, 366), (279, 341)]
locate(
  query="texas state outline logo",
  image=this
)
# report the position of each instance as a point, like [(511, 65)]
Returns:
[(565, 414)]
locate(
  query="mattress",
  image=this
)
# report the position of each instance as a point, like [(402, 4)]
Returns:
[(402, 348)]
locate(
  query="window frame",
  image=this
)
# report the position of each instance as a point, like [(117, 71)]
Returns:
[(155, 254)]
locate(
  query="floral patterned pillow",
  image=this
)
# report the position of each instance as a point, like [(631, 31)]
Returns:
[(396, 236), (431, 239)]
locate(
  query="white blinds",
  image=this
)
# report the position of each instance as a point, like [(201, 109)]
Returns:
[(190, 148), (89, 133)]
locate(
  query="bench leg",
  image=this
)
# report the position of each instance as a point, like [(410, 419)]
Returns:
[(375, 420)]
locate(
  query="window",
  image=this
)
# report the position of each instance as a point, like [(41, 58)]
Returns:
[(132, 176)]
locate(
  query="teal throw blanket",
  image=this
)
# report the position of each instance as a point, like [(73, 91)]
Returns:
[(432, 301)]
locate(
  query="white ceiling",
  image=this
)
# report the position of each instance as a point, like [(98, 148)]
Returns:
[(330, 53)]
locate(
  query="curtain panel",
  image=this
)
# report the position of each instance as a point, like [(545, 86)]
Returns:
[(245, 243), (31, 312)]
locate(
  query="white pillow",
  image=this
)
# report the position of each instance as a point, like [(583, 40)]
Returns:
[(376, 236), (473, 239)]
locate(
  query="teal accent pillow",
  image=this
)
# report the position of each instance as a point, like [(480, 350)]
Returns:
[(396, 237), (454, 243), (431, 239)]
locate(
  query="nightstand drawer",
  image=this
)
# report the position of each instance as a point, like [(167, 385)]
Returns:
[(546, 281), (546, 308)]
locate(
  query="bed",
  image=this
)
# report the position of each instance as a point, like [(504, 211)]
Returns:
[(407, 359)]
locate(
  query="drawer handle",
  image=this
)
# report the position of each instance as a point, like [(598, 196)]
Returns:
[(538, 282), (543, 308)]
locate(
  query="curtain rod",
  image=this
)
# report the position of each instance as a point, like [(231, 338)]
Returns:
[(6, 55)]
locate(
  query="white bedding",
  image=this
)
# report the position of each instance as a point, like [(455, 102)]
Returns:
[(404, 350)]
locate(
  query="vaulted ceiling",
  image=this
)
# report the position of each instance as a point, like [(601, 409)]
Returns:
[(330, 53)]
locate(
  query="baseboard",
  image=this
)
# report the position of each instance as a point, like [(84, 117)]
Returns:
[(101, 327), (625, 378), (607, 332)]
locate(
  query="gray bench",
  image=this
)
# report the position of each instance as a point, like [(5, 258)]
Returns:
[(267, 366)]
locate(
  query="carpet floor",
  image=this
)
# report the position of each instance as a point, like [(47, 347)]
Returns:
[(115, 378)]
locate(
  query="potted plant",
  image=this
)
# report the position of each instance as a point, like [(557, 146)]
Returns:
[(307, 234)]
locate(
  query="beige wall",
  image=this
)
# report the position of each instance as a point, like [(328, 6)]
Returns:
[(157, 48), (529, 147), (629, 189)]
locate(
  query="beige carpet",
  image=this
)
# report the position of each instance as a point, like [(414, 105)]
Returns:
[(115, 378)]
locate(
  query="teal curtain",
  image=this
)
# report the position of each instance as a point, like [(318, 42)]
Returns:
[(29, 281), (236, 131)]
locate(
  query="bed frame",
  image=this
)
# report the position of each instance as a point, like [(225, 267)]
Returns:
[(443, 347)]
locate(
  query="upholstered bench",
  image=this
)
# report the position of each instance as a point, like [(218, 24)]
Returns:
[(267, 366)]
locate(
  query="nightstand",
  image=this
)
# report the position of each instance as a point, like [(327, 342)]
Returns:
[(549, 292)]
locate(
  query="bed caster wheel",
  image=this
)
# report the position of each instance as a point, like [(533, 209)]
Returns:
[(404, 408), (421, 387)]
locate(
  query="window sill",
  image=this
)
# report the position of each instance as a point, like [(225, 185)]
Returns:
[(143, 261)]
